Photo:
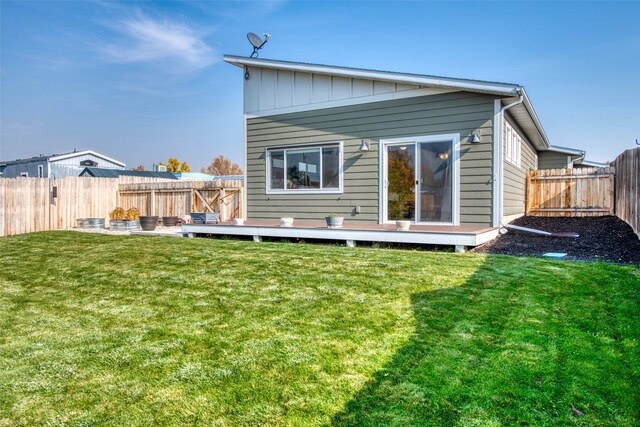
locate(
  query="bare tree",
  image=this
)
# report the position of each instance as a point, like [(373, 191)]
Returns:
[(222, 166)]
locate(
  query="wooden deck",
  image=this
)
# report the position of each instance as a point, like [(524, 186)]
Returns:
[(459, 236)]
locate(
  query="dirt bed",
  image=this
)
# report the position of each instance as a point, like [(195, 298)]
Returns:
[(601, 238)]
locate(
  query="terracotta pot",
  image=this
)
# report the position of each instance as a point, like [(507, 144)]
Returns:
[(148, 223)]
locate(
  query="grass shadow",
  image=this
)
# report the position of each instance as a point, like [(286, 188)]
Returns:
[(515, 351)]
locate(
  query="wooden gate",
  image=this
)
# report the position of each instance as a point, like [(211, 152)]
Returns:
[(570, 192)]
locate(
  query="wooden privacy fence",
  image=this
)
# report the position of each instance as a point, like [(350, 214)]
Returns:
[(570, 192), (627, 205), (28, 204), (183, 197)]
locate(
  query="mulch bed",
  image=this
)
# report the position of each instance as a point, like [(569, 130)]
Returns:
[(605, 238)]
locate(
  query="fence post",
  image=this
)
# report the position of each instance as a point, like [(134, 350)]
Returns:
[(221, 205)]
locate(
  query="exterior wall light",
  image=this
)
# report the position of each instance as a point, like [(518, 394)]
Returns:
[(365, 145), (475, 138)]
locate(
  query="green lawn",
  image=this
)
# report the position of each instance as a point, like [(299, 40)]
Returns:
[(110, 330)]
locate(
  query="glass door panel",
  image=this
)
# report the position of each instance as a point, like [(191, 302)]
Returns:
[(436, 178), (401, 178)]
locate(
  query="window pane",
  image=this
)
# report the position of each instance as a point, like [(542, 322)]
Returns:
[(331, 167), (277, 170), (303, 169)]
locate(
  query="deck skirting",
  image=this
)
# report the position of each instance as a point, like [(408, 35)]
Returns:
[(462, 238)]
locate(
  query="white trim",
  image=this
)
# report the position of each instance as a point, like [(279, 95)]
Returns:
[(310, 191), (412, 93), (246, 168), (454, 138), (433, 238), (24, 174), (40, 171), (82, 153), (497, 163), (416, 79)]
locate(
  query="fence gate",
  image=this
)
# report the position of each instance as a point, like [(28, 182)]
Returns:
[(570, 192)]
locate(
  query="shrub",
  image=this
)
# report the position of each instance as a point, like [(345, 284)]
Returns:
[(117, 214), (132, 214)]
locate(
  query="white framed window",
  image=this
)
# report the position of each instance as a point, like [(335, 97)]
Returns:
[(40, 171), (304, 169), (24, 174), (513, 145)]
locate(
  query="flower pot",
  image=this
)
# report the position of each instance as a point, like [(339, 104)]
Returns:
[(238, 221), (148, 223), (403, 225), (90, 222), (334, 221), (124, 225), (169, 221), (286, 222)]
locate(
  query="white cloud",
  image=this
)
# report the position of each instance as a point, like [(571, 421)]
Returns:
[(175, 45)]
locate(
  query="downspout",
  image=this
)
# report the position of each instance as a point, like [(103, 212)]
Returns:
[(500, 197)]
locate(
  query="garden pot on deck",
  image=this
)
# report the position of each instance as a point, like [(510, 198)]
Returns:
[(403, 225), (169, 221), (334, 221), (148, 223)]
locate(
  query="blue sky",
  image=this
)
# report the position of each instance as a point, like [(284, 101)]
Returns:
[(143, 81)]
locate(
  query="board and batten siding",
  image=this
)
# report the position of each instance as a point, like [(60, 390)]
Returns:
[(552, 160), (456, 112), (514, 177)]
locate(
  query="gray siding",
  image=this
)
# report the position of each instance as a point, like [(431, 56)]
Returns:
[(552, 160), (515, 178), (14, 171), (458, 112)]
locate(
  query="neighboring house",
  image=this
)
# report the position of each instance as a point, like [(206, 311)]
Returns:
[(583, 163), (199, 176), (57, 165), (563, 157), (377, 146), (115, 173)]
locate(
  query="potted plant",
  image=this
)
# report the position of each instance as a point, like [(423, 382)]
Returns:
[(116, 219), (131, 219), (403, 225), (334, 221), (286, 221)]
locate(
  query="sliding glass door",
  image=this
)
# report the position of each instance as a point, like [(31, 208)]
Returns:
[(401, 177), (435, 182), (419, 181)]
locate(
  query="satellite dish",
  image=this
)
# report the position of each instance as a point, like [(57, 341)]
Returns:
[(257, 42)]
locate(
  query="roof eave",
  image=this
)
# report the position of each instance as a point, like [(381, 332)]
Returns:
[(535, 119), (503, 89), (566, 150)]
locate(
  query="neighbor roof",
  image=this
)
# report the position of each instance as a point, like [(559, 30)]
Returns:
[(55, 157), (523, 113), (115, 173)]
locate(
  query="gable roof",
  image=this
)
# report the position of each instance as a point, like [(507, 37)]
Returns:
[(523, 113), (56, 157), (115, 173)]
